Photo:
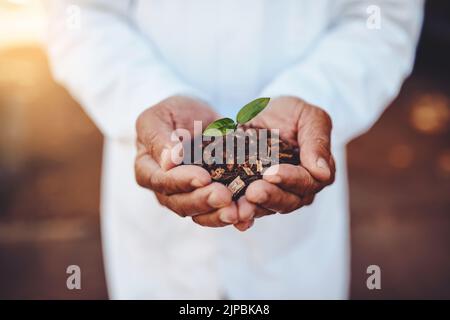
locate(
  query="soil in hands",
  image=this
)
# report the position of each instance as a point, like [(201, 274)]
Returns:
[(237, 169)]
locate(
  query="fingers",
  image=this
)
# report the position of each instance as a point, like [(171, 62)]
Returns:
[(248, 210), (272, 197), (245, 225), (218, 218), (180, 179), (199, 201), (241, 213), (307, 200), (160, 127), (154, 130), (177, 180), (314, 130), (294, 179)]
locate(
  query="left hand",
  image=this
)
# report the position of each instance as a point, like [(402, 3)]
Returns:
[(186, 190), (285, 188)]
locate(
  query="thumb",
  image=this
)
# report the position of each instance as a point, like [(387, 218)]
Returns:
[(314, 141), (166, 149), (160, 140)]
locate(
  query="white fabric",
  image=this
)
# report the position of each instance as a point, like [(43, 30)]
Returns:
[(128, 55)]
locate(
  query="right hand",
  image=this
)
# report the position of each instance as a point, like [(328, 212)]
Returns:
[(187, 190)]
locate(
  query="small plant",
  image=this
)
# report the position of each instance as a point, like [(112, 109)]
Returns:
[(237, 173), (225, 126)]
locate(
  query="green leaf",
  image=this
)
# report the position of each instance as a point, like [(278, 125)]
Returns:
[(219, 127), (250, 110)]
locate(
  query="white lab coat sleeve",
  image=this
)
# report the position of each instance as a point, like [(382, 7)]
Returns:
[(355, 71), (107, 64)]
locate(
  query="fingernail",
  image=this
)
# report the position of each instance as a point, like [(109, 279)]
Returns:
[(196, 183), (272, 179), (245, 226), (272, 171), (271, 176), (262, 197), (322, 164), (216, 201), (226, 217)]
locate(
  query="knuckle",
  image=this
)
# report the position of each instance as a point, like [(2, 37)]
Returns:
[(308, 185), (161, 199), (161, 184), (308, 200), (155, 183), (312, 185), (179, 208), (293, 205), (140, 121), (140, 179), (142, 182), (325, 117)]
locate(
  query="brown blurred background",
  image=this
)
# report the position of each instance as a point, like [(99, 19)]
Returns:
[(50, 161)]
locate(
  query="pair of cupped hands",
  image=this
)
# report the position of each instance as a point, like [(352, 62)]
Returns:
[(188, 189)]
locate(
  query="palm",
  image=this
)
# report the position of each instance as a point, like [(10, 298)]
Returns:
[(282, 114), (290, 187)]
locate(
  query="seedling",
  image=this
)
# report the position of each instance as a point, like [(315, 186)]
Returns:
[(225, 126), (229, 171)]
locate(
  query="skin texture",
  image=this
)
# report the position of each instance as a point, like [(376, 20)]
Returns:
[(188, 190), (286, 187)]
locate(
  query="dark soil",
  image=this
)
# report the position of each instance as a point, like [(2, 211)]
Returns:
[(237, 170)]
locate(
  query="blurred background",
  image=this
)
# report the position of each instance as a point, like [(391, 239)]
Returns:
[(50, 161)]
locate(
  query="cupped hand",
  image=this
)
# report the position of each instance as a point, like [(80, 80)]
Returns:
[(285, 187), (187, 190)]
